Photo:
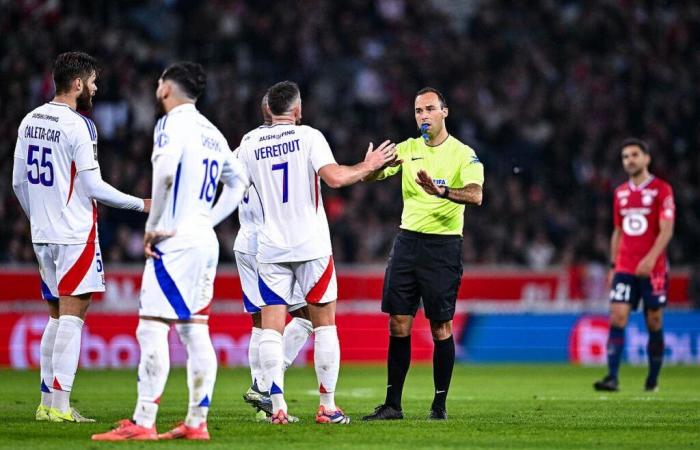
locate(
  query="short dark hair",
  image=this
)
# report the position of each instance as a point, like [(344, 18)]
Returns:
[(71, 65), (635, 141), (281, 96), (190, 76), (427, 90)]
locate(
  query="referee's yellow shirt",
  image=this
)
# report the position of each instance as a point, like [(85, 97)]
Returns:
[(452, 164)]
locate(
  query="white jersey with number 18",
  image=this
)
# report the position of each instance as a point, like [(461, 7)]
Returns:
[(283, 163), (204, 158)]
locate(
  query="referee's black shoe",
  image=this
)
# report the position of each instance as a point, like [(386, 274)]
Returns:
[(437, 413), (606, 384), (385, 412)]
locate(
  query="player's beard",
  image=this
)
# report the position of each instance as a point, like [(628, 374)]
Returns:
[(160, 108), (634, 171), (84, 100)]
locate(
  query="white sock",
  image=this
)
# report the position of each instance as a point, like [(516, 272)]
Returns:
[(272, 362), (327, 363), (295, 335), (256, 372), (48, 340), (201, 370), (64, 361), (154, 367)]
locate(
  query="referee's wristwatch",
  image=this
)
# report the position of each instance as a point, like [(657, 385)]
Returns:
[(445, 193)]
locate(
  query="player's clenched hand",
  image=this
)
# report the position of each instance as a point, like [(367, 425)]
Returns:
[(146, 205), (384, 154), (151, 238), (426, 182), (644, 268)]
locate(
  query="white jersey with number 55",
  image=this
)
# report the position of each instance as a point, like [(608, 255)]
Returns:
[(56, 143), (283, 163), (204, 158)]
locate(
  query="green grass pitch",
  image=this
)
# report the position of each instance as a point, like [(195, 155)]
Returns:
[(494, 407)]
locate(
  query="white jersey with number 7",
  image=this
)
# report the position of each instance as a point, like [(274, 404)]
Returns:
[(283, 163)]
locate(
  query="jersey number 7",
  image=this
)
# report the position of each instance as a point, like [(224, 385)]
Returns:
[(285, 179)]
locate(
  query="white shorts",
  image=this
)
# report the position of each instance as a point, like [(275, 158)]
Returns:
[(316, 279), (248, 273), (69, 269), (179, 285)]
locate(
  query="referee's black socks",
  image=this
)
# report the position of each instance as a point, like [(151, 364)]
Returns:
[(398, 361), (443, 363)]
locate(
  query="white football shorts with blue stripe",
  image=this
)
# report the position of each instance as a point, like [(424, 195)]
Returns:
[(248, 273), (179, 285), (276, 282)]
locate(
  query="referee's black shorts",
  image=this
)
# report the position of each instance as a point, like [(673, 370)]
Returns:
[(423, 266)]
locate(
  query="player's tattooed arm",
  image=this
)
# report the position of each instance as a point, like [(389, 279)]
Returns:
[(471, 194)]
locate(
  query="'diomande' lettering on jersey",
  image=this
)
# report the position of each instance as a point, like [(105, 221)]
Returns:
[(282, 148)]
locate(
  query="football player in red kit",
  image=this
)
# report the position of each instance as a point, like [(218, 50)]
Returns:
[(644, 213)]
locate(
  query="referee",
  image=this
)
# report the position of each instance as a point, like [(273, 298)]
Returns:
[(439, 176)]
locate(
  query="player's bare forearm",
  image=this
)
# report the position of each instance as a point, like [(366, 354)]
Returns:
[(614, 244), (373, 176), (471, 194), (337, 176), (662, 240)]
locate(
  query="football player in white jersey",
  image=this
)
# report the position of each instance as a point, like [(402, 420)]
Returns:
[(57, 180), (190, 157), (285, 162), (298, 330)]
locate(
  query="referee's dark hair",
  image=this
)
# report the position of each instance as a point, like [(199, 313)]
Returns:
[(71, 65), (189, 76), (643, 146), (281, 97), (427, 90)]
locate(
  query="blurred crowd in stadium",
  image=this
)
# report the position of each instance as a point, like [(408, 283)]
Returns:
[(543, 92)]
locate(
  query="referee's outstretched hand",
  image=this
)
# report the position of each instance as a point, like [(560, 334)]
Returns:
[(426, 182), (384, 155)]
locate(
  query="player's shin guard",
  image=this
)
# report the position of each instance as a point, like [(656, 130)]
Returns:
[(327, 363), (201, 370), (64, 361), (295, 335), (154, 367), (398, 362), (272, 362), (655, 353), (443, 364), (48, 341), (616, 344), (256, 371)]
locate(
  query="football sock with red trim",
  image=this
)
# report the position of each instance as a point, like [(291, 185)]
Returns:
[(327, 363), (153, 370), (64, 361)]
